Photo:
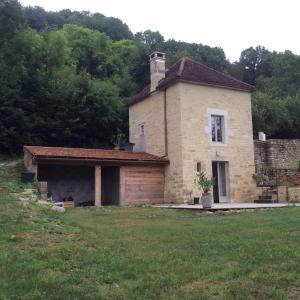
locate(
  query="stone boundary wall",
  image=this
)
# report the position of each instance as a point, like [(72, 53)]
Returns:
[(280, 154), (277, 153)]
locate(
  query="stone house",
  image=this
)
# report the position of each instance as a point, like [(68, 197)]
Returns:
[(198, 118), (189, 118)]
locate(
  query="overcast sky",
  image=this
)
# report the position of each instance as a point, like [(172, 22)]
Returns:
[(233, 25)]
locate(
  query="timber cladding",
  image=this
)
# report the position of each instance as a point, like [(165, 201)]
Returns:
[(142, 185)]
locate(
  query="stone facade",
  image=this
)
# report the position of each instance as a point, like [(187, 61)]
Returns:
[(188, 117), (290, 194), (29, 163), (197, 105), (151, 114), (277, 153)]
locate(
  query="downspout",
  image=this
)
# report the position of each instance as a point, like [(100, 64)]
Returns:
[(165, 122)]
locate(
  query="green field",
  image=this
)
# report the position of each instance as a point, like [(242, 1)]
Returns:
[(143, 253)]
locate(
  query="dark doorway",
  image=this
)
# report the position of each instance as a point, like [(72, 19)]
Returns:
[(110, 185), (216, 186)]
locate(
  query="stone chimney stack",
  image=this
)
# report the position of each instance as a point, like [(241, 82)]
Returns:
[(157, 68)]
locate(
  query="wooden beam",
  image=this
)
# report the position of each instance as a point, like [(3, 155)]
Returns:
[(98, 185), (122, 185), (166, 122)]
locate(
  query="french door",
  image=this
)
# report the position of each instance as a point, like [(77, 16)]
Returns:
[(221, 188)]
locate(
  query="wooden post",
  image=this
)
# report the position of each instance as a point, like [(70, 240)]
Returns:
[(97, 185), (122, 186)]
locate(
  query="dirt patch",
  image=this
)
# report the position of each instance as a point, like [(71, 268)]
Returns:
[(197, 285), (294, 293), (9, 163), (28, 195)]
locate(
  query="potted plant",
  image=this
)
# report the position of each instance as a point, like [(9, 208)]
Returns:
[(205, 184), (118, 140)]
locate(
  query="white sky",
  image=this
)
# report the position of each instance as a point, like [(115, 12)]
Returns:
[(233, 25)]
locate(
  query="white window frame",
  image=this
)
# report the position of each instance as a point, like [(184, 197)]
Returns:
[(214, 124), (225, 132), (142, 129)]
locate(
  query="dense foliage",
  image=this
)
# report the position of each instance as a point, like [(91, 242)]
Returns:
[(65, 77)]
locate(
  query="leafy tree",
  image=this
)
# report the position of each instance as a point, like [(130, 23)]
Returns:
[(66, 77), (40, 19), (11, 19), (37, 17), (269, 114), (255, 62), (153, 39), (90, 50), (286, 74)]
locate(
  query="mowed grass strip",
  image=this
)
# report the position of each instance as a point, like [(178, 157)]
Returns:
[(144, 253)]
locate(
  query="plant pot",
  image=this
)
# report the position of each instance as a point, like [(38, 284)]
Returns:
[(128, 147), (206, 200), (27, 177), (196, 200)]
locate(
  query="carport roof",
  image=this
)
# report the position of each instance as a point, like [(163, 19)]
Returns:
[(97, 155)]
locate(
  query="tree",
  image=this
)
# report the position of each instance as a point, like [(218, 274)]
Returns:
[(286, 74), (11, 19), (39, 19), (255, 62), (153, 39), (269, 115)]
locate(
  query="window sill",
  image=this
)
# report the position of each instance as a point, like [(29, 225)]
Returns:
[(218, 144)]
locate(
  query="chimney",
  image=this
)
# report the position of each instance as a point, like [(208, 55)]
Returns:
[(262, 136), (157, 68)]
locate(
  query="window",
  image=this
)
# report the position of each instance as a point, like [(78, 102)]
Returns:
[(142, 129), (198, 166), (217, 128)]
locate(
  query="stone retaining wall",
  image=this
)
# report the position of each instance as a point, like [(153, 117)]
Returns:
[(277, 153), (281, 154)]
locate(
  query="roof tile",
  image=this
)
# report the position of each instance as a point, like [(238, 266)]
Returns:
[(187, 69), (92, 154)]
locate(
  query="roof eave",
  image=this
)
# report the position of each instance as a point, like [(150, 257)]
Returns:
[(137, 100), (178, 79), (40, 158)]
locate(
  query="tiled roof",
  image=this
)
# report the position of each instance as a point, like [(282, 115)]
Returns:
[(189, 70), (92, 154), (142, 94)]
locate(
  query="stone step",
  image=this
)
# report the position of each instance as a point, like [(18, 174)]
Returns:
[(264, 201), (265, 197), (269, 192)]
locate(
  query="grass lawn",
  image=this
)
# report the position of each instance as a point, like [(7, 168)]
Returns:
[(144, 253)]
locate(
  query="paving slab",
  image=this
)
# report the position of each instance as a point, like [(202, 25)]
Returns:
[(227, 206)]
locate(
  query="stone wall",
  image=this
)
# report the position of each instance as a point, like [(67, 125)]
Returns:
[(281, 154), (277, 153), (175, 191), (197, 104), (149, 112), (292, 194), (29, 164)]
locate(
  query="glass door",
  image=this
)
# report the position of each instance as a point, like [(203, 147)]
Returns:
[(223, 181)]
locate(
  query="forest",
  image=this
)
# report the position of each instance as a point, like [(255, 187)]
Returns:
[(66, 78)]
